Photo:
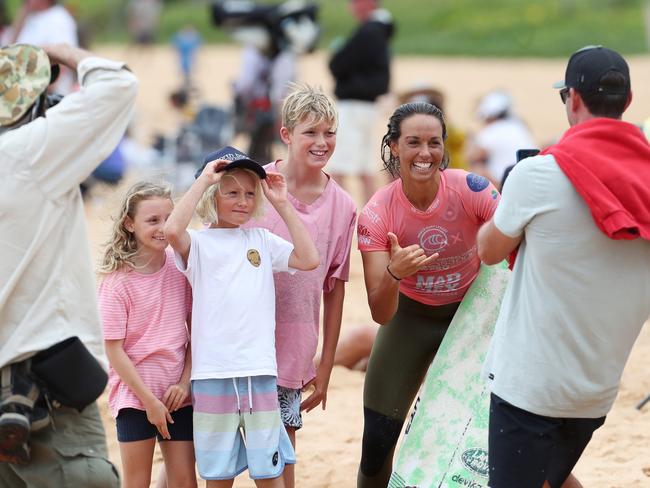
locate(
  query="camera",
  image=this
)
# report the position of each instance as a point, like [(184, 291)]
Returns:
[(521, 154), (526, 153), (291, 25)]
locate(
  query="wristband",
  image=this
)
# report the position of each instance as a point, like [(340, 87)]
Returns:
[(391, 273)]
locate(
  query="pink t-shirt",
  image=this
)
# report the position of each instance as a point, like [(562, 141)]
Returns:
[(330, 222), (449, 227), (148, 311)]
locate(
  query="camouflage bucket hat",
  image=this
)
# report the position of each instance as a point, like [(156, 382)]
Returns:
[(24, 75)]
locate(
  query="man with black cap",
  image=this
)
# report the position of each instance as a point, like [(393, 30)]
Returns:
[(578, 214), (47, 286)]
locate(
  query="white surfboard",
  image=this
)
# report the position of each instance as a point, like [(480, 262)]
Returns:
[(446, 440)]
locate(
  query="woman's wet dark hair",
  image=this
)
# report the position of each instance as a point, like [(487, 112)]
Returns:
[(391, 163)]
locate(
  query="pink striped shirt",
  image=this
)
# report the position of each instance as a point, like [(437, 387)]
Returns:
[(149, 312)]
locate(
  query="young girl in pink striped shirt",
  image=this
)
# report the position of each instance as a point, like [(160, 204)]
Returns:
[(145, 305)]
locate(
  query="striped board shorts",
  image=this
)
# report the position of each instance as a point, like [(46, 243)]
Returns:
[(237, 426)]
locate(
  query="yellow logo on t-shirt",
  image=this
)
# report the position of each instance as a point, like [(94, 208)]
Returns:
[(254, 257)]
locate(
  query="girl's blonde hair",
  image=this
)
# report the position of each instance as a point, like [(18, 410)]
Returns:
[(305, 102), (207, 206), (122, 247)]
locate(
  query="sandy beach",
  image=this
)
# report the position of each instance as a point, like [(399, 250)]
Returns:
[(329, 445)]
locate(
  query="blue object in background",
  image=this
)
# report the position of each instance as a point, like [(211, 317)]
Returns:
[(186, 42), (111, 170)]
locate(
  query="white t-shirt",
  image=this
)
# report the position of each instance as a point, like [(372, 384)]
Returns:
[(575, 304), (49, 26), (501, 139), (233, 309), (53, 25)]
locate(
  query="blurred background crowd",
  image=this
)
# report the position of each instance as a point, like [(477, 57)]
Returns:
[(359, 39)]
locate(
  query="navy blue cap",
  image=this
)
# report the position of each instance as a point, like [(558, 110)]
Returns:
[(587, 66), (238, 158)]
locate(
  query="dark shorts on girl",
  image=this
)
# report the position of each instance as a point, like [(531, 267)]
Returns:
[(133, 425), (237, 425), (526, 449)]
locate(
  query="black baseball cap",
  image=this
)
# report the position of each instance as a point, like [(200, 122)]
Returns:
[(587, 66), (238, 158)]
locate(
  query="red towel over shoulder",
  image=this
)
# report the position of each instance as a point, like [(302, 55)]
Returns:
[(608, 163)]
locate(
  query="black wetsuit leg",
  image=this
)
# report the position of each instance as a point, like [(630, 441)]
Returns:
[(401, 355)]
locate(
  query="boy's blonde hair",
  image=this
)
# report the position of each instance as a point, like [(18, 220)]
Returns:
[(305, 102), (206, 209), (122, 247)]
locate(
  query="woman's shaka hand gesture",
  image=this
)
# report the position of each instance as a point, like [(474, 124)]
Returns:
[(405, 261)]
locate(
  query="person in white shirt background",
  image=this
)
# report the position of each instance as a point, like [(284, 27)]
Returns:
[(45, 22), (494, 147)]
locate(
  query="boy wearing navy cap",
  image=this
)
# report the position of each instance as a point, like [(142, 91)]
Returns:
[(230, 269)]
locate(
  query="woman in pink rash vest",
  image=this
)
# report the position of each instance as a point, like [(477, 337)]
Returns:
[(417, 238)]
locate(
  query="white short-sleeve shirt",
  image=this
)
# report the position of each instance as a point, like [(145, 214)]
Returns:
[(501, 139), (233, 308)]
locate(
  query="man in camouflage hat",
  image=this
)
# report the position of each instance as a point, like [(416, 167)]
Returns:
[(46, 279)]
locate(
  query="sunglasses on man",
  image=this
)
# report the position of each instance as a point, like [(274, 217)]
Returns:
[(564, 94)]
